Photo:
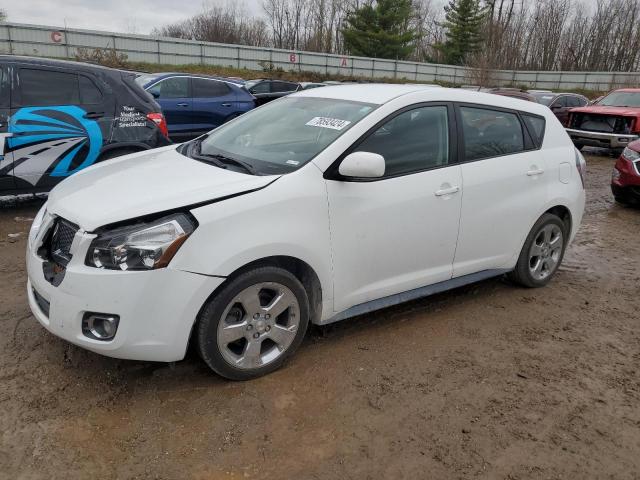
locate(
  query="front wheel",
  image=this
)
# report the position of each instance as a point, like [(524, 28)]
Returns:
[(253, 324), (542, 252)]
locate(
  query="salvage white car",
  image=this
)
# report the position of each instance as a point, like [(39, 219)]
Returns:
[(320, 206)]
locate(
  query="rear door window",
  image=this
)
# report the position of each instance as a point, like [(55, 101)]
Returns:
[(490, 133), (90, 94), (175, 87), (203, 88), (48, 87)]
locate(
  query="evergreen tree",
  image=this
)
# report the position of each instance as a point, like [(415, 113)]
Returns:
[(380, 30), (464, 21)]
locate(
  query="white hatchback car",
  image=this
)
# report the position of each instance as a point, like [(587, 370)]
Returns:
[(326, 204)]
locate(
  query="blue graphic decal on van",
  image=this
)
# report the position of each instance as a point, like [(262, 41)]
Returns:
[(43, 125)]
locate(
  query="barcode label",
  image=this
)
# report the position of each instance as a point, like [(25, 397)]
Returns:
[(327, 122)]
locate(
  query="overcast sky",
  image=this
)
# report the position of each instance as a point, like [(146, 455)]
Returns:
[(128, 16), (133, 16)]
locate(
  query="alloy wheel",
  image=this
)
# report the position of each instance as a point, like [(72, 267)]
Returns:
[(258, 325), (546, 251)]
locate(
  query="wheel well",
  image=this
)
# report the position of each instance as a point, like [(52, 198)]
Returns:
[(301, 270), (564, 214)]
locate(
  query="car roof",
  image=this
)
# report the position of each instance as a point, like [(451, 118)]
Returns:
[(377, 93), (160, 75), (383, 93), (51, 62)]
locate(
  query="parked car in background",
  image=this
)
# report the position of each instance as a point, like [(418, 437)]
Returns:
[(625, 181), (58, 117), (265, 90), (308, 85), (560, 103), (324, 205), (614, 122), (513, 93), (195, 104)]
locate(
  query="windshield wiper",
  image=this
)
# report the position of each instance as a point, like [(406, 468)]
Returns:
[(219, 160), (226, 161)]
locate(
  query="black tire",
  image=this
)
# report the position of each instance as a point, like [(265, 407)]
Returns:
[(522, 274), (211, 315), (116, 152)]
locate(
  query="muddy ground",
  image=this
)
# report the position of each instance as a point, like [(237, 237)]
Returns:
[(487, 381)]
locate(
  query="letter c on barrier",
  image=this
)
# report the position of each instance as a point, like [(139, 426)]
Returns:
[(56, 37)]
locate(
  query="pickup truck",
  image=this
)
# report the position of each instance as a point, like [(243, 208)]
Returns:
[(613, 123)]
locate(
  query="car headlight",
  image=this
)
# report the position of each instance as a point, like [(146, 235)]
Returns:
[(37, 223), (143, 246), (630, 154)]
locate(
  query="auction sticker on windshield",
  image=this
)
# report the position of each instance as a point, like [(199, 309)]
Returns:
[(327, 122)]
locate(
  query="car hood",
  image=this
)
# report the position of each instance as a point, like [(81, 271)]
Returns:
[(603, 110), (144, 183)]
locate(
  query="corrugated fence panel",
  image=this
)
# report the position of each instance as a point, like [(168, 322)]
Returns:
[(63, 43)]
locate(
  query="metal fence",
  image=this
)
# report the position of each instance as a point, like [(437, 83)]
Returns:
[(38, 40)]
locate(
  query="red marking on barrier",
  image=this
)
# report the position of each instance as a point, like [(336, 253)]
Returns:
[(292, 58), (343, 62), (56, 37)]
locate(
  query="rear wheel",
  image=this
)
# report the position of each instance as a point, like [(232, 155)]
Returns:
[(542, 252), (253, 324)]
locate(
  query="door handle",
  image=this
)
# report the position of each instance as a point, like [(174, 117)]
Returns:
[(183, 104), (93, 115), (533, 173), (226, 104), (446, 191)]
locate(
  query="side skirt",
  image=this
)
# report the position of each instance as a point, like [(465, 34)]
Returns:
[(420, 292)]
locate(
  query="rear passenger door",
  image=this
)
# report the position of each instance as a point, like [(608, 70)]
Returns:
[(174, 96), (55, 124), (6, 167), (213, 102), (504, 184)]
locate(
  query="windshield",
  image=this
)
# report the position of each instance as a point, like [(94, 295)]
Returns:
[(544, 98), (143, 80), (621, 99), (285, 134)]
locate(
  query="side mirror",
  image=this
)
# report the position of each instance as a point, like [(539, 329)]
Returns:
[(155, 94), (556, 107), (362, 165)]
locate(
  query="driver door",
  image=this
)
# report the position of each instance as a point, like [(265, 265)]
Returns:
[(397, 232)]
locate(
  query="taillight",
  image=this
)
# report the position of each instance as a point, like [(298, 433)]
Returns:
[(581, 165), (159, 120)]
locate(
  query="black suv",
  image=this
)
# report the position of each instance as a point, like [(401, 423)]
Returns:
[(58, 117)]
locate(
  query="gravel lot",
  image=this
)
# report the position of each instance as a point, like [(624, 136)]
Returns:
[(488, 381)]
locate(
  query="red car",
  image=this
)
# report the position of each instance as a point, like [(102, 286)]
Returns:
[(625, 181), (613, 123)]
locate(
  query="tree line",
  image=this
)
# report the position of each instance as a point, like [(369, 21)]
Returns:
[(579, 35)]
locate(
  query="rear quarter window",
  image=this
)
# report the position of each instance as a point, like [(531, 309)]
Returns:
[(535, 125), (90, 94)]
